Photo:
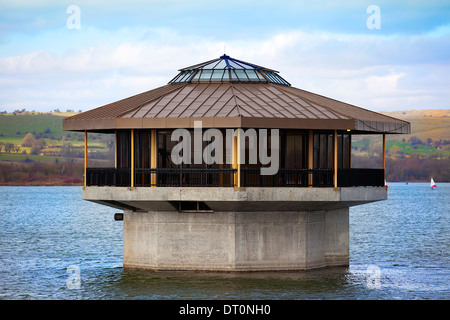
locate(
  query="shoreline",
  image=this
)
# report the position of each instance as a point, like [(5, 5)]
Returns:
[(15, 184)]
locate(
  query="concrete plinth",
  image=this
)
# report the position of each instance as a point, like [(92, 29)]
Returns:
[(227, 229), (236, 241)]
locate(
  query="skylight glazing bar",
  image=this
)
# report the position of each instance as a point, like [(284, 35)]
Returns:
[(242, 75), (233, 75), (197, 76), (185, 76), (243, 66), (252, 75)]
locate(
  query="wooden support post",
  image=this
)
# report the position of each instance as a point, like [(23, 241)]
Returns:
[(237, 158), (153, 156), (335, 159), (238, 147), (384, 151), (350, 150), (384, 157), (132, 158), (85, 157), (310, 156), (115, 149)]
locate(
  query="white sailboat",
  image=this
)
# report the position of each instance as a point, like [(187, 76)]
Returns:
[(433, 185)]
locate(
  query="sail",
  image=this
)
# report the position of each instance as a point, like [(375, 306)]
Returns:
[(433, 185)]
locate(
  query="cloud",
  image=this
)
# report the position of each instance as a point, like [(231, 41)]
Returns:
[(94, 66)]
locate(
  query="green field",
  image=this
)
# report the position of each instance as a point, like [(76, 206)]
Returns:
[(16, 126)]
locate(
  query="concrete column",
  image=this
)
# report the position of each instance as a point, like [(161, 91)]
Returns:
[(236, 241)]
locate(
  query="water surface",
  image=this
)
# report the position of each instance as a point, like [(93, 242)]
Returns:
[(399, 249)]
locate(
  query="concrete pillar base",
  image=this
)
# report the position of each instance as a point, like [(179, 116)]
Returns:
[(236, 241)]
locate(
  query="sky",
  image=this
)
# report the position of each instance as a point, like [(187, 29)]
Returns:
[(78, 55)]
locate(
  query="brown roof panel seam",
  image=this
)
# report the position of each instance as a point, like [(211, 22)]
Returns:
[(151, 100), (311, 103), (257, 104), (207, 87), (163, 107), (287, 103), (272, 102)]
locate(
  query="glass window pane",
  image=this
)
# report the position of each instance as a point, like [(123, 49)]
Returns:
[(185, 76), (323, 150), (252, 75), (346, 151), (206, 75), (197, 76), (330, 155), (241, 75), (234, 77), (316, 149), (211, 65), (270, 76), (222, 65), (260, 76), (234, 65), (217, 75), (290, 152)]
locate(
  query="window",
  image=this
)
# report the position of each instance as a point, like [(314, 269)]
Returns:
[(142, 149), (324, 151), (218, 75), (295, 151), (123, 149)]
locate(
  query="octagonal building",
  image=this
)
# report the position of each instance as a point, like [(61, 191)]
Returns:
[(230, 168)]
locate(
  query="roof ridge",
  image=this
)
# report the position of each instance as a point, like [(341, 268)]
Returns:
[(235, 100)]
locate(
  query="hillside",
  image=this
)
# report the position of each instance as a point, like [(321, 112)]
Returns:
[(433, 124), (52, 157)]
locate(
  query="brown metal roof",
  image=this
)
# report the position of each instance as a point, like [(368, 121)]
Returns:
[(232, 104)]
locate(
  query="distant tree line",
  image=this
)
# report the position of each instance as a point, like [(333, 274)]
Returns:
[(24, 111)]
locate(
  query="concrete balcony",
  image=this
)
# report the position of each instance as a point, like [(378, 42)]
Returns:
[(233, 199)]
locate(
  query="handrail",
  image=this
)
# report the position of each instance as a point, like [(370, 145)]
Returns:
[(215, 177), (185, 177)]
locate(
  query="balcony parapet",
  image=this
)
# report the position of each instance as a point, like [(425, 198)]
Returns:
[(229, 199), (193, 177)]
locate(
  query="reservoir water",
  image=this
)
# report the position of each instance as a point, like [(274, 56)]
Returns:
[(54, 245)]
